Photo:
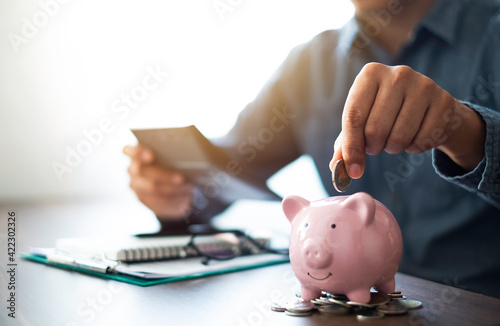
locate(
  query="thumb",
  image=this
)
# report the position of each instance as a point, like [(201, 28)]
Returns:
[(146, 155), (337, 151)]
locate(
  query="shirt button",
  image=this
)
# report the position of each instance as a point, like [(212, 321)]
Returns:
[(497, 177)]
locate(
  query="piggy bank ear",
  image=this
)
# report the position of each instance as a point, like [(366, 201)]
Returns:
[(364, 206), (291, 205)]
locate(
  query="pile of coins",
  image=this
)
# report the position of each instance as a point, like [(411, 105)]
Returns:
[(380, 304)]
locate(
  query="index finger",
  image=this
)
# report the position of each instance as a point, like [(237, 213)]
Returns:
[(356, 111)]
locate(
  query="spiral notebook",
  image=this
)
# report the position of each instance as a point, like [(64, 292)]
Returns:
[(135, 249), (146, 261)]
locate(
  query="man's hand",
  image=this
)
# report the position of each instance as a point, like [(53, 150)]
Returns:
[(164, 191), (397, 109)]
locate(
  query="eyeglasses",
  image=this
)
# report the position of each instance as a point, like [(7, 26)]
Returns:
[(228, 245)]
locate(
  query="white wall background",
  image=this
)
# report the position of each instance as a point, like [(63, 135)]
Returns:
[(68, 68)]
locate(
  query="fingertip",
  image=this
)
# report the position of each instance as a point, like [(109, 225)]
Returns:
[(355, 171), (127, 149), (146, 155), (132, 151)]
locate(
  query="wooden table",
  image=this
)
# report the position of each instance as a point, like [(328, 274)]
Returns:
[(51, 296)]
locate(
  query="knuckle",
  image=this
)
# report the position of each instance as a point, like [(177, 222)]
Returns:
[(447, 102), (354, 118), (403, 70), (402, 74), (375, 140), (427, 86), (374, 134), (352, 150), (372, 68)]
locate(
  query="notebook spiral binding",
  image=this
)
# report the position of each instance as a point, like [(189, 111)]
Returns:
[(181, 252)]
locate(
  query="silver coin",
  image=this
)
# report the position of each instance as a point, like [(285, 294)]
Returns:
[(339, 302), (321, 301), (369, 315), (395, 295), (333, 309), (340, 178), (300, 306), (341, 297), (399, 298), (392, 308), (277, 307), (298, 314), (410, 304), (376, 299)]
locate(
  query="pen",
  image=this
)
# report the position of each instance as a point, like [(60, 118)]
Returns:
[(86, 264)]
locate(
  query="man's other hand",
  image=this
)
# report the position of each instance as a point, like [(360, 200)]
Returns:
[(165, 192)]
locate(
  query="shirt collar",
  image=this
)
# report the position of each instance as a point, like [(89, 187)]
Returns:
[(441, 20), (348, 34)]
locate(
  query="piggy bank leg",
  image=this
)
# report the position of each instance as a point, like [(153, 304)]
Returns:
[(308, 294), (359, 295), (386, 287)]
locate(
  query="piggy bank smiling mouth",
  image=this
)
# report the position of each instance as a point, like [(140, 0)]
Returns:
[(319, 279)]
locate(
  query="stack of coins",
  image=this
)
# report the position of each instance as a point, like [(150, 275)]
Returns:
[(380, 304), (299, 308)]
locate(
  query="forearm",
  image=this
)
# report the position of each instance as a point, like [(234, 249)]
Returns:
[(466, 145)]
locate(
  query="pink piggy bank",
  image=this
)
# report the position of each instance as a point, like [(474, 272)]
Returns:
[(343, 245)]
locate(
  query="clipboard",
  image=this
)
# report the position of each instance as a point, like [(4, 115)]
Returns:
[(131, 279), (150, 261)]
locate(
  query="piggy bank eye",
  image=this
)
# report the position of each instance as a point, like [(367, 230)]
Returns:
[(333, 226), (306, 225)]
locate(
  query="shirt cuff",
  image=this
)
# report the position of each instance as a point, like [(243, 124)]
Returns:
[(485, 178), (450, 171)]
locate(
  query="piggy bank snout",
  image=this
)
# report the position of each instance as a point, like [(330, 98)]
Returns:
[(316, 254)]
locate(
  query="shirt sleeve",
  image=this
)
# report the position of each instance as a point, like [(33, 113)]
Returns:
[(484, 180), (262, 141)]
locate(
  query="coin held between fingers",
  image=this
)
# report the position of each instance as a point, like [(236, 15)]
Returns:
[(340, 178)]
